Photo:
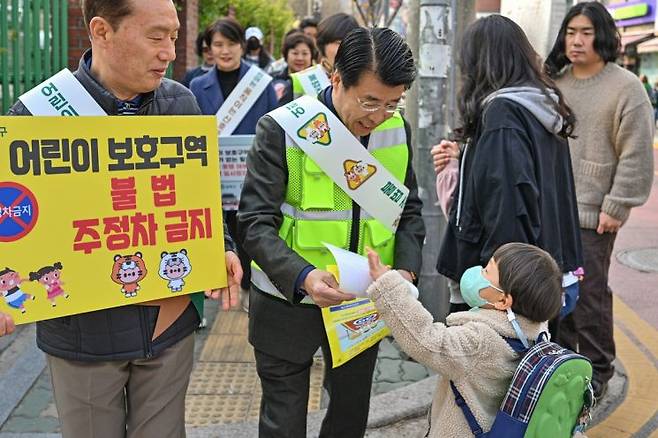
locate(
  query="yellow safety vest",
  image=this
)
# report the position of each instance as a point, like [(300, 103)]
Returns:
[(316, 210)]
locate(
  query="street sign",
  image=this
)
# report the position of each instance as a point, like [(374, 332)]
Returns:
[(19, 211)]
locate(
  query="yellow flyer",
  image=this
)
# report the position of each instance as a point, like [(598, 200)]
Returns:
[(352, 327), (100, 212)]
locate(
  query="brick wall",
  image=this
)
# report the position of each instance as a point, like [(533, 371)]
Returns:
[(78, 38), (188, 14)]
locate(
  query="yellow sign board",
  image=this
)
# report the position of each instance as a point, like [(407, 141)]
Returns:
[(352, 327), (100, 212)]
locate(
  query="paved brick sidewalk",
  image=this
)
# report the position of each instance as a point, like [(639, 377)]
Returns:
[(224, 387)]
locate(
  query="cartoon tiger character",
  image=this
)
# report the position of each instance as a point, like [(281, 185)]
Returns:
[(174, 266), (128, 271), (361, 169)]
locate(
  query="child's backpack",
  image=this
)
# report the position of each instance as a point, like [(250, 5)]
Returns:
[(550, 395)]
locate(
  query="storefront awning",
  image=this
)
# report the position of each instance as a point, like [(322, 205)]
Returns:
[(648, 46), (635, 39)]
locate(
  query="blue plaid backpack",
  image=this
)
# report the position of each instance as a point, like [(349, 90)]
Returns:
[(550, 395)]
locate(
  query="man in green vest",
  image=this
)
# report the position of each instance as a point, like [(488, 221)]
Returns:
[(290, 206)]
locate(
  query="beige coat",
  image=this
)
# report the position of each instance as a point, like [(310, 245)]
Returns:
[(470, 351)]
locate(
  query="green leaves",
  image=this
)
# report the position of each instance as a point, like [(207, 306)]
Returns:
[(273, 17)]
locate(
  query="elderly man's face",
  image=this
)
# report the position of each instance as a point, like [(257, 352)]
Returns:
[(141, 47), (367, 104)]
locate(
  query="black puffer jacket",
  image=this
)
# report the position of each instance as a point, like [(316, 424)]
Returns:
[(516, 186), (121, 333)]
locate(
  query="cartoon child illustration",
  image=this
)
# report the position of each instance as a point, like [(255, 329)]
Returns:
[(174, 266), (352, 178), (128, 271), (321, 126), (317, 130), (10, 282), (361, 169), (50, 278)]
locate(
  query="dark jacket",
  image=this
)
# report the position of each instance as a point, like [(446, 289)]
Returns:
[(259, 219), (193, 74), (517, 186), (284, 78), (208, 93), (121, 333), (288, 94)]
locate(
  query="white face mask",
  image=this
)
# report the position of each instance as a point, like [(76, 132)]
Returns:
[(472, 282)]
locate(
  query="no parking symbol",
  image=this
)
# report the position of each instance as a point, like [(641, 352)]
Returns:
[(18, 211)]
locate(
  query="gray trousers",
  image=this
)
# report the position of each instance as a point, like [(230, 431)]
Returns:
[(143, 398)]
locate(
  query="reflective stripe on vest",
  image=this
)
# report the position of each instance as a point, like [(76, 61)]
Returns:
[(387, 138), (320, 215)]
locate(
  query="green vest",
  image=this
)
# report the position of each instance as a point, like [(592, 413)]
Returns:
[(297, 88), (316, 210)]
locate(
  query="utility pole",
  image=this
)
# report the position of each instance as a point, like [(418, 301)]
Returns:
[(435, 30)]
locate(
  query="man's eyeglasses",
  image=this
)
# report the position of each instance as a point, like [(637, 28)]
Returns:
[(371, 107)]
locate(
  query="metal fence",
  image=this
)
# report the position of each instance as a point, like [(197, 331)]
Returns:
[(33, 45)]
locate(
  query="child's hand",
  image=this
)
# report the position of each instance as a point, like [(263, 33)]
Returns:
[(377, 269)]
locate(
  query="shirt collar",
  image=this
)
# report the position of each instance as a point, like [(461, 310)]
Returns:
[(120, 104)]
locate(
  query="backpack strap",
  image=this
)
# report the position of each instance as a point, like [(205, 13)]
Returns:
[(468, 414), (516, 345)]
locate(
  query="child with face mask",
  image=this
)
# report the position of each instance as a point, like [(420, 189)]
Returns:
[(512, 297)]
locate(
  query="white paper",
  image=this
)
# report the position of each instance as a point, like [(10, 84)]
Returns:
[(354, 272)]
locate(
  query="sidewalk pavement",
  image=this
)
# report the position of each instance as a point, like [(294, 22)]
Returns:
[(224, 393)]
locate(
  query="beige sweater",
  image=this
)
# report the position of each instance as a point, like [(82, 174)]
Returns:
[(469, 351), (612, 154)]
